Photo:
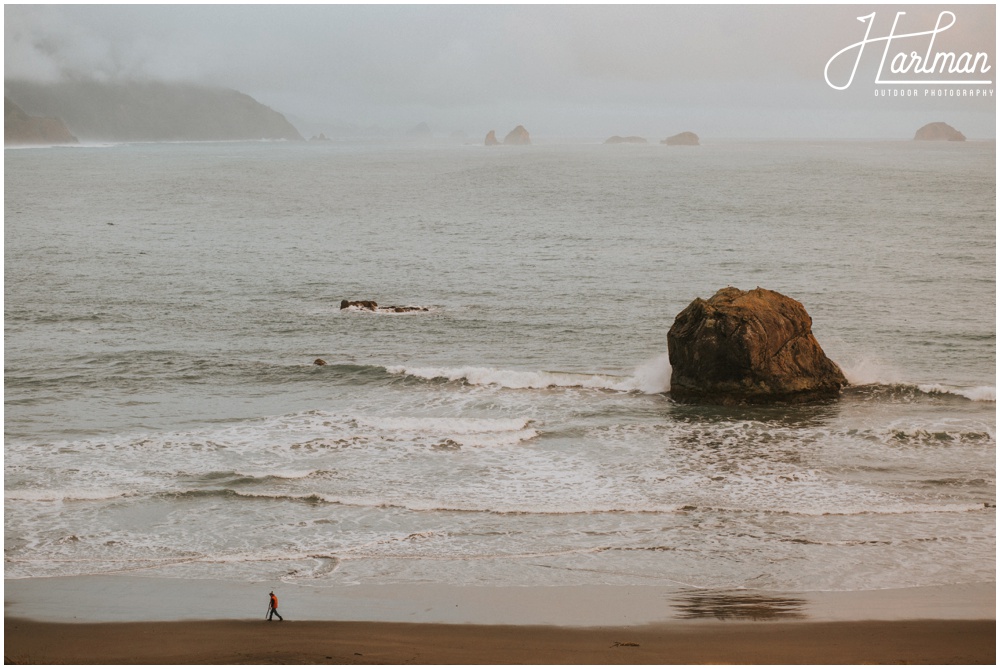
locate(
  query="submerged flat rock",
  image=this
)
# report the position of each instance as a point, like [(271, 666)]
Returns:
[(372, 305), (632, 139), (748, 346)]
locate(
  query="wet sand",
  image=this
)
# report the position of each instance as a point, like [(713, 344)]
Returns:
[(323, 642), (131, 598), (81, 620)]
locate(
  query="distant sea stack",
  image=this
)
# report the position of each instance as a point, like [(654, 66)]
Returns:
[(149, 111), (491, 138), (939, 132), (19, 128), (682, 139), (517, 136), (420, 131), (752, 346), (625, 140)]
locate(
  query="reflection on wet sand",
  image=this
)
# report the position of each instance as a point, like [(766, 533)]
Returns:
[(738, 605)]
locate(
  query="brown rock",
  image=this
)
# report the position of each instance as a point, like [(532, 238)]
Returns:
[(319, 361), (682, 139), (939, 132), (517, 136), (748, 346), (491, 139), (370, 305)]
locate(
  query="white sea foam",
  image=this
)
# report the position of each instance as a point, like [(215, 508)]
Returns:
[(472, 432), (977, 394), (868, 369), (653, 376)]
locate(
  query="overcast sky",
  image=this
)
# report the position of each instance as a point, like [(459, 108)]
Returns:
[(562, 71)]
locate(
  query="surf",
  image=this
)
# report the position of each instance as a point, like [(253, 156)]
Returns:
[(651, 377)]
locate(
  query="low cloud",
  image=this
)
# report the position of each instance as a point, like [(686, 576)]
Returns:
[(476, 67)]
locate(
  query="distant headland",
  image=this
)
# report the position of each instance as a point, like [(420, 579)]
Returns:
[(147, 111), (20, 128)]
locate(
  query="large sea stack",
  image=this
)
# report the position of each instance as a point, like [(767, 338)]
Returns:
[(517, 136), (938, 132), (750, 346)]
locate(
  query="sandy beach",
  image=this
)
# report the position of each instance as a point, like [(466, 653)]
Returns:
[(129, 619), (294, 642)]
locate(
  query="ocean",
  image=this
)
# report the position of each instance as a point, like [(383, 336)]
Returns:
[(164, 305)]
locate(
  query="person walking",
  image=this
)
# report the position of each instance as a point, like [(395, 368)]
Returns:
[(272, 607)]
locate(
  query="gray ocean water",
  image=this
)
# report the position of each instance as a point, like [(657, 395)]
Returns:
[(164, 304)]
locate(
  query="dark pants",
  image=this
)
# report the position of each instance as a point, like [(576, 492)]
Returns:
[(273, 612)]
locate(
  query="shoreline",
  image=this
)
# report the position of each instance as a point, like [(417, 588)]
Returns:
[(324, 642), (143, 620), (129, 598)]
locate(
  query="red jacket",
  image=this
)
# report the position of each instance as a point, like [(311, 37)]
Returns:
[(274, 601)]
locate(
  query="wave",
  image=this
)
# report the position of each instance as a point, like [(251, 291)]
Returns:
[(455, 432), (910, 391), (573, 509), (873, 373), (651, 377), (253, 477), (868, 371), (977, 394), (446, 425)]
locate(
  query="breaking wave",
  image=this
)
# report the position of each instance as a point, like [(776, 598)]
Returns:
[(651, 377), (977, 394), (869, 372)]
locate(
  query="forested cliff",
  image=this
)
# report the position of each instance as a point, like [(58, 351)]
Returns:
[(148, 111)]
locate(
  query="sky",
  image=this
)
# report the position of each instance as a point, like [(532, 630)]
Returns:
[(726, 71)]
